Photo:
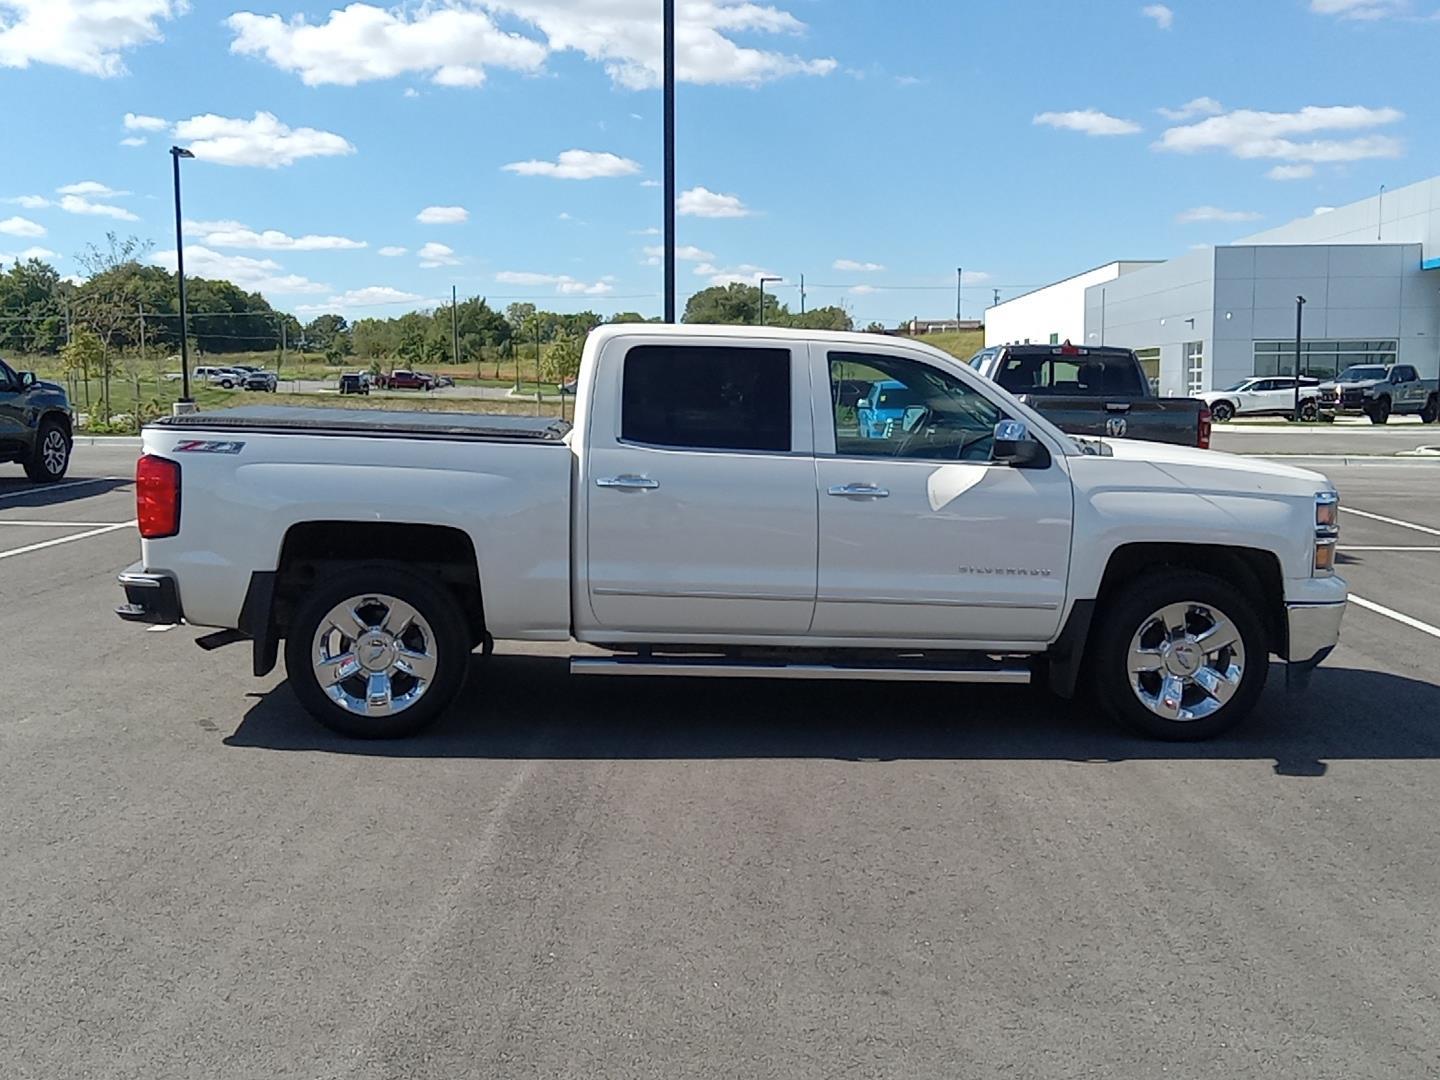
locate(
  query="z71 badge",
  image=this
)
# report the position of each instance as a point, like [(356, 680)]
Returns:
[(207, 446)]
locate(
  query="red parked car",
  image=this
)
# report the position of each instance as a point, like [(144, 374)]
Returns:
[(405, 380)]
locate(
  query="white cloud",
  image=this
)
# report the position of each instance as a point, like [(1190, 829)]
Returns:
[(1200, 106), (564, 284), (90, 187), (1291, 172), (1163, 16), (6, 258), (433, 255), (78, 204), (702, 202), (858, 267), (745, 273), (862, 290), (411, 92), (1248, 133), (683, 253), (649, 183), (652, 231), (30, 202), (134, 140), (1087, 122), (370, 296), (232, 234), (141, 122), (361, 42), (1323, 210), (577, 165), (262, 140), (87, 36), (443, 215), (455, 43), (256, 275), (1359, 9), (393, 252), (19, 226), (1214, 213)]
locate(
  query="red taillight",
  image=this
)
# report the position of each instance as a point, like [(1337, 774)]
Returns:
[(157, 497), (1204, 440)]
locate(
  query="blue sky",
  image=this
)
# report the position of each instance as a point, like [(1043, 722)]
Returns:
[(512, 147)]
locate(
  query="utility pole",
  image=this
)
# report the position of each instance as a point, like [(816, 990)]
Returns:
[(1299, 317), (1380, 214), (763, 280), (455, 324), (959, 277), (802, 294), (280, 364), (668, 13), (997, 298), (537, 366)]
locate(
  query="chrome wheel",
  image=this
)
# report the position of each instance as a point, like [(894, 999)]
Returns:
[(54, 451), (1186, 661), (374, 655)]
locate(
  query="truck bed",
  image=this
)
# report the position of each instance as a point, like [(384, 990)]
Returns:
[(374, 423)]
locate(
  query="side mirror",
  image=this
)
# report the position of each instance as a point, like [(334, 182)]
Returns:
[(27, 380), (863, 403), (1014, 446)]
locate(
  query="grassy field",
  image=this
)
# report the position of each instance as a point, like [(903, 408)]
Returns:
[(963, 344)]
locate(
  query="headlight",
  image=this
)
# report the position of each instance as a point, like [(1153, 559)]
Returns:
[(1327, 531)]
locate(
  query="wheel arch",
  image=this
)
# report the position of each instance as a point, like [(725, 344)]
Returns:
[(314, 549)]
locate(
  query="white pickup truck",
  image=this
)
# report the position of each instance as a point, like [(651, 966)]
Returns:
[(717, 510)]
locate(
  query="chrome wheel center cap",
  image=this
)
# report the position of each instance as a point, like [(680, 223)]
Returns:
[(376, 652), (1183, 659)]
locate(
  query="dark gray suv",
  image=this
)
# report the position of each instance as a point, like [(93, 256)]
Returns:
[(1379, 392), (34, 424)]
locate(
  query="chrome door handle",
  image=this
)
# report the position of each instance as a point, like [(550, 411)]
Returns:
[(627, 483), (860, 491)]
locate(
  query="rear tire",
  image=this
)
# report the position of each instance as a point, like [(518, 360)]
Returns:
[(1168, 620), (390, 679), (1431, 412), (51, 456)]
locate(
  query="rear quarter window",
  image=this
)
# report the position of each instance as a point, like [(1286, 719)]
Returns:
[(706, 397)]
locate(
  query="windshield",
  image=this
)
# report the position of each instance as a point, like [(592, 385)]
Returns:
[(1241, 385), (1360, 374)]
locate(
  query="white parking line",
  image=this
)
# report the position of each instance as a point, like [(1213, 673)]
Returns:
[(1391, 613), (40, 489), (1343, 547), (64, 540), (1391, 521), (60, 524)]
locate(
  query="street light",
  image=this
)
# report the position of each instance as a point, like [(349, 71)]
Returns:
[(763, 280), (668, 16), (176, 153), (1299, 318)]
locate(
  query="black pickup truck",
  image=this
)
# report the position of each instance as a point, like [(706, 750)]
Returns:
[(34, 424), (1099, 392)]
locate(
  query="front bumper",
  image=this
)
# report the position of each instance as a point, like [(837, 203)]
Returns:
[(1313, 633), (149, 598)]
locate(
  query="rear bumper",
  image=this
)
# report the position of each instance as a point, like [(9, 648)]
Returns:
[(1314, 631), (149, 598)]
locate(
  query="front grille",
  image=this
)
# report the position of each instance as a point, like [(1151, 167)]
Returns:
[(1353, 397)]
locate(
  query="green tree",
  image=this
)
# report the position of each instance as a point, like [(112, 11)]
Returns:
[(321, 331), (631, 317), (562, 360), (733, 304)]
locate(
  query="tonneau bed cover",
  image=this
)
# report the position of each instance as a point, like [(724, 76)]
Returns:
[(375, 423)]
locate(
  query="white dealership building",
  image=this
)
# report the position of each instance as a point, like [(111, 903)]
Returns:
[(1369, 273)]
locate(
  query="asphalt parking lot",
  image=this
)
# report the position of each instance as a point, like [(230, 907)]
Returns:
[(574, 878)]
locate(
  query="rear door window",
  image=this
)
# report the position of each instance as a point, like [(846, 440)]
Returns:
[(698, 397)]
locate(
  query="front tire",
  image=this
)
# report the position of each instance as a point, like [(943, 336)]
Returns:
[(1309, 411), (1222, 412), (1380, 411), (51, 457), (1180, 655), (377, 652)]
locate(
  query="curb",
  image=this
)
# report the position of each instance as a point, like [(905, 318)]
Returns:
[(118, 441)]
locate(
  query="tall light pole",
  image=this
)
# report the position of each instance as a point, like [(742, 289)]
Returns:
[(1380, 214), (176, 153), (959, 278), (1299, 319), (763, 280), (668, 10)]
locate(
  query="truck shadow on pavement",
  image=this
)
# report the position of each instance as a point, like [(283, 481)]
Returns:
[(17, 491), (523, 707)]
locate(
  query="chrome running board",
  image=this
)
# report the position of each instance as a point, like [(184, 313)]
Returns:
[(720, 668)]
